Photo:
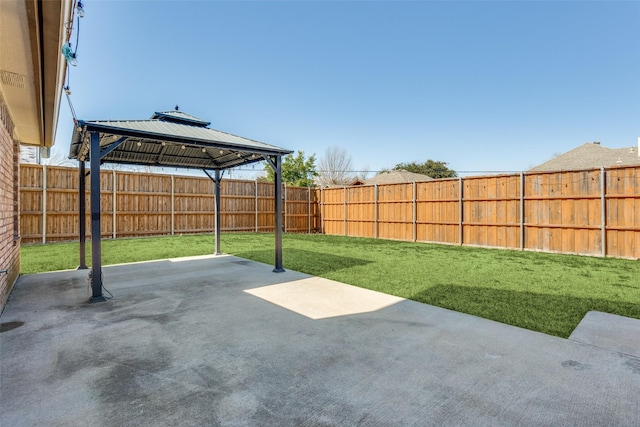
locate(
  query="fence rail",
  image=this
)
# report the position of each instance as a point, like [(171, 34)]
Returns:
[(140, 204), (591, 212)]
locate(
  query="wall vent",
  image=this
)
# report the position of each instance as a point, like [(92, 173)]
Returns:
[(13, 79)]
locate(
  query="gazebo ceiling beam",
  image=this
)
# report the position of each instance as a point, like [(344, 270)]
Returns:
[(110, 148), (206, 160), (213, 159), (271, 161), (163, 150)]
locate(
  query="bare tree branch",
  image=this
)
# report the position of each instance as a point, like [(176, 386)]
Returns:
[(335, 167), (59, 159)]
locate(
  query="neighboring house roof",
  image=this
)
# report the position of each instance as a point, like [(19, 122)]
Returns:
[(357, 181), (397, 177), (589, 156)]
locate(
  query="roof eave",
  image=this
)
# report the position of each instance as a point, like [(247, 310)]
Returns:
[(35, 31)]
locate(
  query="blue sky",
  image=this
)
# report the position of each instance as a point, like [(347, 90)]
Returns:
[(483, 86)]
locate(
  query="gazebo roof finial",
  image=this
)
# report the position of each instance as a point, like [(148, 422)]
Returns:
[(177, 107)]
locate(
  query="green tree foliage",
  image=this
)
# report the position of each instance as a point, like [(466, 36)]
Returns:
[(296, 170), (430, 167)]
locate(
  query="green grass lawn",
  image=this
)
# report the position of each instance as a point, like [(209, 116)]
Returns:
[(548, 293)]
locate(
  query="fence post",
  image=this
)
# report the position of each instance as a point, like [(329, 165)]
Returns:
[(308, 210), (173, 206), (603, 211), (256, 205), (321, 210), (44, 204), (521, 211), (460, 212), (415, 212), (375, 211), (344, 194), (113, 223), (284, 210)]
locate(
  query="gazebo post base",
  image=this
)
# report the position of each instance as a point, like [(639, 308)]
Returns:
[(100, 298)]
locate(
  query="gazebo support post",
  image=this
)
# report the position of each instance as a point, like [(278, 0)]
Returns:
[(216, 179), (277, 168), (82, 210), (216, 184), (276, 163), (96, 252)]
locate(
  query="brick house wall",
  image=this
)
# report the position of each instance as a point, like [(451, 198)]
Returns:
[(9, 204)]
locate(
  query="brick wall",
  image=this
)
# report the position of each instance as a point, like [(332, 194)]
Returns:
[(9, 202)]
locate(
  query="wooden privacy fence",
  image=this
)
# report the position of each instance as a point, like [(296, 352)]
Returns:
[(590, 212), (140, 204)]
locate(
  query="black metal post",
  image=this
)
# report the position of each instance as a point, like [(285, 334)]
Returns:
[(96, 238), (216, 185), (278, 220), (82, 217)]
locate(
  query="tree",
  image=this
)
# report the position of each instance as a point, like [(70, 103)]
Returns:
[(335, 167), (296, 170), (431, 168), (363, 174), (58, 159)]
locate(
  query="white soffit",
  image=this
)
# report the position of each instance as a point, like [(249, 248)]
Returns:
[(17, 79)]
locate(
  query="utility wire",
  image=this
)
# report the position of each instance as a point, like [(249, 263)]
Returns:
[(73, 111), (69, 28), (77, 34)]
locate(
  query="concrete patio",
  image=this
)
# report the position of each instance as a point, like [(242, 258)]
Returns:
[(224, 341)]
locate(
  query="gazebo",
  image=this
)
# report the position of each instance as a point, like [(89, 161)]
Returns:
[(167, 139)]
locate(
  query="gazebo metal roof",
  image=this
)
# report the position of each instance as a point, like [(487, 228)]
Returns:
[(170, 139)]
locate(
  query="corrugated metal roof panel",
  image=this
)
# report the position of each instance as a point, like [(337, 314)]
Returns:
[(164, 143), (158, 129)]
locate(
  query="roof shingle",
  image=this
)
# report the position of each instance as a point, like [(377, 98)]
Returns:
[(397, 177), (590, 155)]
